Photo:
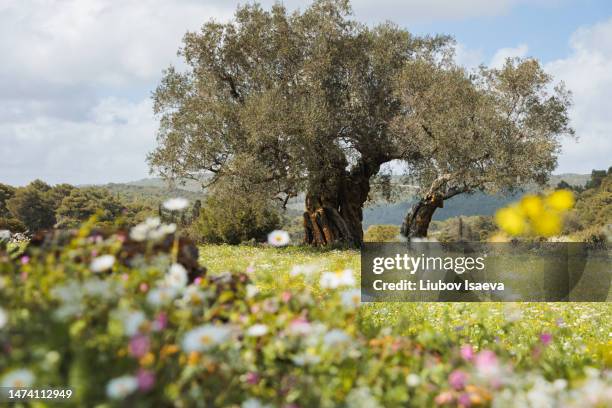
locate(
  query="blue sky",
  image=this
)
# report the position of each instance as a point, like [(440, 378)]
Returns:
[(77, 74), (546, 27)]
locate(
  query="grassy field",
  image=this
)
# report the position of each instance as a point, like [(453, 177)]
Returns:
[(582, 332)]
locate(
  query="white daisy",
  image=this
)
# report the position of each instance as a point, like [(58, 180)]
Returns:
[(305, 270), (121, 387), (176, 204), (251, 291), (205, 337), (335, 337), (177, 276), (412, 380), (161, 231), (351, 298), (3, 318), (254, 403), (333, 280), (278, 238), (20, 378), (193, 296), (257, 330), (102, 263), (305, 359), (151, 229), (132, 322), (161, 295)]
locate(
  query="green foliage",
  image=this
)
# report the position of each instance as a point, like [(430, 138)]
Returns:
[(33, 206), (81, 204), (228, 218), (594, 205), (471, 228), (6, 192), (382, 233), (12, 224)]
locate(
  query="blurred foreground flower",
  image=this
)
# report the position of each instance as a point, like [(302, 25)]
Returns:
[(20, 378), (536, 215), (121, 387), (278, 238), (176, 204), (102, 263), (151, 229), (204, 337), (333, 280), (3, 318)]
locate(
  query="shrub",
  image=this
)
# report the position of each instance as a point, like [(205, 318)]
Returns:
[(382, 233), (232, 219), (12, 224), (82, 204)]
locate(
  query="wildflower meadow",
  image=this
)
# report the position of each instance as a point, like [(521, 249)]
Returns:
[(277, 326)]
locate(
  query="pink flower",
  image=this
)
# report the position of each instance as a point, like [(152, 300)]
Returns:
[(23, 276), (250, 268), (160, 322), (486, 362), (139, 346), (25, 260), (146, 380), (197, 281), (444, 398), (143, 287), (467, 352), (458, 379), (464, 400), (546, 338), (125, 276), (286, 296), (252, 378)]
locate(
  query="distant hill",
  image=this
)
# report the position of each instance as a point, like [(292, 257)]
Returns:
[(152, 191), (465, 204)]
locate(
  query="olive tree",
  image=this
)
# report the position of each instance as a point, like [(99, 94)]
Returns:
[(289, 102), (493, 130)]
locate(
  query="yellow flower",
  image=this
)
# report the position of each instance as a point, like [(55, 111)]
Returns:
[(168, 350), (548, 224), (194, 358), (511, 220), (147, 360), (532, 205), (561, 200)]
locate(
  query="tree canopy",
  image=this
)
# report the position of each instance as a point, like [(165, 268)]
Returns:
[(278, 103), (492, 130)]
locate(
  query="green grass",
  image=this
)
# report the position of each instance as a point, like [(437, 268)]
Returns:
[(582, 332)]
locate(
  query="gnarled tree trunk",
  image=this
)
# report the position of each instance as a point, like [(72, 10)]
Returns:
[(334, 206), (417, 220)]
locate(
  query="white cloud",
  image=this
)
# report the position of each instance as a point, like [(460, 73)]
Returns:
[(105, 42), (468, 57), (76, 77), (587, 72), (110, 146), (501, 55)]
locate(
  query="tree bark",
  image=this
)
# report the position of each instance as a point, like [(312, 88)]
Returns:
[(416, 223), (417, 220), (334, 206)]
